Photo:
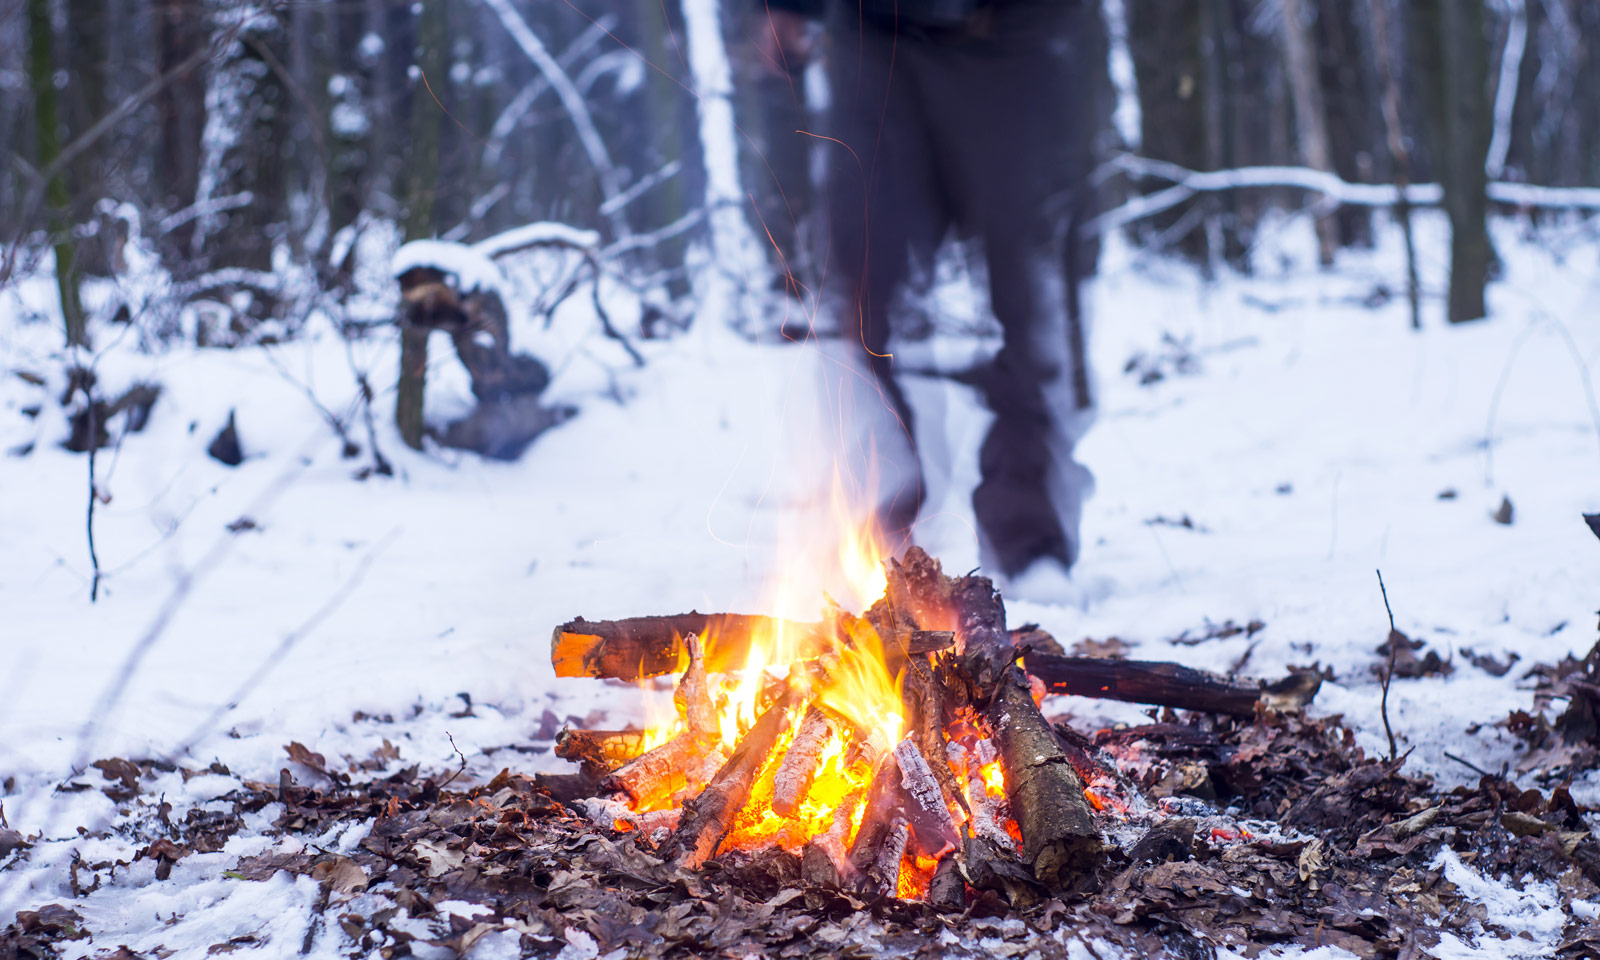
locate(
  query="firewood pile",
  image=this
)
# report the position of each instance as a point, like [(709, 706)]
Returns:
[(899, 754)]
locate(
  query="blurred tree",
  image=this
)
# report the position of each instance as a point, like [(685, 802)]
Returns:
[(431, 59), (1451, 52), (42, 72)]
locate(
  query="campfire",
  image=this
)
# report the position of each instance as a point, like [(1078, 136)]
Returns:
[(899, 753)]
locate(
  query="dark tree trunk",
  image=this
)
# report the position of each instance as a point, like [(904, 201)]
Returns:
[(1451, 52), (422, 185), (181, 106), (47, 125)]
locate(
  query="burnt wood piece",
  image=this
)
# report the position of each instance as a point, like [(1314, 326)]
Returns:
[(642, 647), (924, 699), (708, 817), (947, 892), (599, 752), (799, 765), (882, 811), (1168, 684), (923, 799), (1059, 838)]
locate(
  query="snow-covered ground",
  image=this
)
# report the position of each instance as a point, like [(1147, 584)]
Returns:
[(1308, 439)]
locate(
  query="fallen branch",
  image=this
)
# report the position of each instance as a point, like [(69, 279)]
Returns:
[(1168, 684), (1187, 183)]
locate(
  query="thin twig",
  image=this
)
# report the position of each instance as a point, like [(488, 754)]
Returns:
[(1469, 765), (463, 768), (1388, 675), (94, 493)]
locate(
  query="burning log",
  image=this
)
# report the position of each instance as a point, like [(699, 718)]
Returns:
[(924, 699), (617, 815), (681, 763), (989, 813), (642, 647), (800, 762), (1168, 684), (1059, 836), (877, 823), (662, 773), (708, 817)]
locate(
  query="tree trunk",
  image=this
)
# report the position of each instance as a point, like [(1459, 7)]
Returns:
[(422, 184), (181, 105), (1452, 55), (1311, 118), (42, 67)]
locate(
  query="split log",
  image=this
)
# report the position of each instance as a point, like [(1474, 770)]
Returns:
[(659, 774), (935, 831), (1059, 838), (708, 817), (800, 763), (1169, 685), (643, 647)]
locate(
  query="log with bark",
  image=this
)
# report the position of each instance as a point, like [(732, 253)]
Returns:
[(638, 648), (1168, 684), (1060, 841)]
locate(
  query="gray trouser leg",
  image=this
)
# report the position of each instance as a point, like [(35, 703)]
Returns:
[(986, 130)]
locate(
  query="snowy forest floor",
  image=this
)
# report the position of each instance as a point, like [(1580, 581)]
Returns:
[(1298, 437)]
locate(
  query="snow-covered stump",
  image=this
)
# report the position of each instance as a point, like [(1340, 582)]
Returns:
[(455, 288)]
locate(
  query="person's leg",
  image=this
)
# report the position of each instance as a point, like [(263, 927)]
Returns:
[(1016, 129), (887, 215)]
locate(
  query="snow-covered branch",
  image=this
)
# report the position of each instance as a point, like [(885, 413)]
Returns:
[(570, 99), (1505, 97), (1188, 183)]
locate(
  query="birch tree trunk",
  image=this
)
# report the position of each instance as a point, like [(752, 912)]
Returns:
[(1310, 115), (736, 262)]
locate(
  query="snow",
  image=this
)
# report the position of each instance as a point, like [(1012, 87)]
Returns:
[(472, 269), (364, 608)]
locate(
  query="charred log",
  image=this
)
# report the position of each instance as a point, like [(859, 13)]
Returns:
[(1168, 684), (924, 699), (948, 891), (708, 817), (924, 802), (663, 772)]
